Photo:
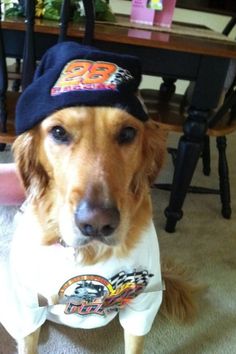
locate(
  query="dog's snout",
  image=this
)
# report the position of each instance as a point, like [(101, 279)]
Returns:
[(96, 220)]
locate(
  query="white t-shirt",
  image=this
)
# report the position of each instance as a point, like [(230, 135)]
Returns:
[(89, 296)]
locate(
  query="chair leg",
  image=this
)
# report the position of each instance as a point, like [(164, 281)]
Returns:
[(224, 177), (206, 157), (167, 87)]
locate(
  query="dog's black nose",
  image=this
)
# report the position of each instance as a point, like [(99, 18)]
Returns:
[(96, 220)]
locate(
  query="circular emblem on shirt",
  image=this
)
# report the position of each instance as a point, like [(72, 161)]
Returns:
[(93, 294)]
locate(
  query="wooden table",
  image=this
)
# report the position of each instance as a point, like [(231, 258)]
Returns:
[(185, 52)]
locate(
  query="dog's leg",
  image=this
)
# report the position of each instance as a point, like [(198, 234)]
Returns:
[(29, 344), (133, 344)]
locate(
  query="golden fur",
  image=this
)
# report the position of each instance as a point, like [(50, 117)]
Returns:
[(55, 175), (95, 164)]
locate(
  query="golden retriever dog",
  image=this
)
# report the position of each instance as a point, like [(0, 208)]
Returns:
[(100, 161), (85, 247)]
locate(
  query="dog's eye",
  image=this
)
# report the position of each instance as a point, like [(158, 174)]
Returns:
[(60, 135), (126, 135)]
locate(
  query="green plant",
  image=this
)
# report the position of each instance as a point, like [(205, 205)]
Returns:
[(50, 9)]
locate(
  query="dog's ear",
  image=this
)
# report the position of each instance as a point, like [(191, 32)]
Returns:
[(153, 156), (154, 150), (26, 154)]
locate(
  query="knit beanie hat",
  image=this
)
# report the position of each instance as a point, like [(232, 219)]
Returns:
[(71, 74)]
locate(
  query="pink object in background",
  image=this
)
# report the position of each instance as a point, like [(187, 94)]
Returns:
[(164, 18), (140, 13)]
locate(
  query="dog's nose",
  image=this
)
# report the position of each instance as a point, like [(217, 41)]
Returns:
[(96, 220)]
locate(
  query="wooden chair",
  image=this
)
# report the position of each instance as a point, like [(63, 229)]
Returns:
[(169, 110), (8, 98)]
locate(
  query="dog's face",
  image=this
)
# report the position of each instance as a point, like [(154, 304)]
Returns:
[(87, 171)]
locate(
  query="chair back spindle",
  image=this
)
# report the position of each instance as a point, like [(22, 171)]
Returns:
[(89, 9), (29, 45), (90, 21), (3, 80), (64, 20)]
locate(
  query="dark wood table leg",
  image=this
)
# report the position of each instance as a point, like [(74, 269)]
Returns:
[(206, 94), (224, 178), (206, 157), (189, 150)]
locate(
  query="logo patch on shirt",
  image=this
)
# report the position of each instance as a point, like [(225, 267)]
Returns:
[(93, 294), (81, 74)]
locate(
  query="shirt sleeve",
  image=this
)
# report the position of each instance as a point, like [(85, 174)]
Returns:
[(20, 313)]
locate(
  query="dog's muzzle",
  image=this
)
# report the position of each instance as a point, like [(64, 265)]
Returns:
[(96, 221)]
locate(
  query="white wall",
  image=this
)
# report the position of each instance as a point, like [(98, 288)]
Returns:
[(213, 21)]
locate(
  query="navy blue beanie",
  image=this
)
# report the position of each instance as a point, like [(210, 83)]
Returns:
[(71, 74)]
